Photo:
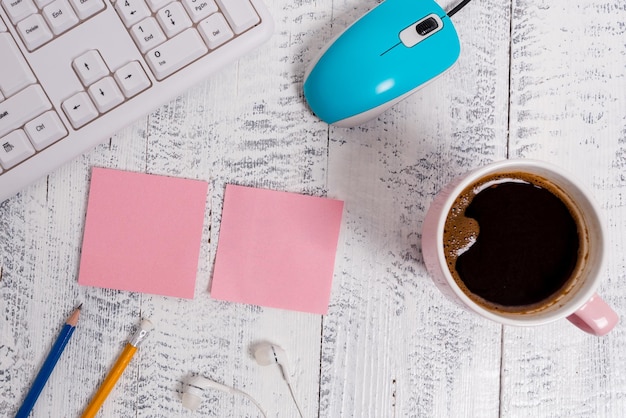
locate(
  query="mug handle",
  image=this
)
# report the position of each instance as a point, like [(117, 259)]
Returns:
[(595, 317)]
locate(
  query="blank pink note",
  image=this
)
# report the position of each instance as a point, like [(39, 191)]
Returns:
[(276, 249), (142, 233)]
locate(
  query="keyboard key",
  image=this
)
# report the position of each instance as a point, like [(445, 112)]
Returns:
[(34, 31), (45, 130), (155, 5), (132, 79), (147, 34), (15, 148), (239, 13), (90, 67), (174, 54), (79, 109), (15, 74), (19, 9), (199, 9), (42, 3), (87, 8), (22, 107), (55, 93), (173, 19), (131, 11), (60, 16), (215, 31), (105, 94)]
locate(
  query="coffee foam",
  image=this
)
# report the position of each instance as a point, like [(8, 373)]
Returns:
[(460, 232)]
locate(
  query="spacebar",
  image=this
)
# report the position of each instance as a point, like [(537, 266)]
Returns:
[(22, 107), (174, 54)]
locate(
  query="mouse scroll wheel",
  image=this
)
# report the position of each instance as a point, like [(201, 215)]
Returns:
[(426, 26)]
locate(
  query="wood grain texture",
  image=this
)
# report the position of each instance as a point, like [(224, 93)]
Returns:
[(393, 346), (568, 108), (535, 79)]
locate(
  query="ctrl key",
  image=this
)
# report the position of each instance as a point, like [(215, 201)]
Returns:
[(14, 148), (45, 130)]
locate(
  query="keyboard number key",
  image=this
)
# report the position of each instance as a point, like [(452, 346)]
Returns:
[(147, 34), (45, 130), (132, 79), (173, 19), (15, 148), (176, 53), (132, 11), (105, 94), (215, 31), (79, 109), (90, 67)]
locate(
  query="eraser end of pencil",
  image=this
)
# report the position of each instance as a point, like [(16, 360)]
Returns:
[(146, 325)]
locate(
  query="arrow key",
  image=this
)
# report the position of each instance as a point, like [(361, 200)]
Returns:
[(173, 19), (105, 94), (132, 79), (79, 109), (90, 67), (132, 11)]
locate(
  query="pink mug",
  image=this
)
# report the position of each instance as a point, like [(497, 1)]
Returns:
[(580, 304)]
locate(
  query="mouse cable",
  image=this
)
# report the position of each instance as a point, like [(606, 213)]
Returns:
[(458, 7)]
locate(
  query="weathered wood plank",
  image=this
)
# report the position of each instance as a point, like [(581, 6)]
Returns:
[(390, 345), (393, 345), (568, 107)]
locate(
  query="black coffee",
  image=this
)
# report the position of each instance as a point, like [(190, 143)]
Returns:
[(514, 243)]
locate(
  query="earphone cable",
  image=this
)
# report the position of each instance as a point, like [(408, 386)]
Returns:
[(241, 392), (293, 395), (458, 7)]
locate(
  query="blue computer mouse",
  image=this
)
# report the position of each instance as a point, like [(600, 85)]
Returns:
[(382, 58)]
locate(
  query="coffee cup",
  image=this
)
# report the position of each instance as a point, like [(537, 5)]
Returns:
[(519, 242)]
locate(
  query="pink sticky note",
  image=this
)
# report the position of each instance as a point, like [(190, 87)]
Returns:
[(276, 249), (142, 233)]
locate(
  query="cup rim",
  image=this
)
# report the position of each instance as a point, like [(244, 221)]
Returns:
[(573, 303)]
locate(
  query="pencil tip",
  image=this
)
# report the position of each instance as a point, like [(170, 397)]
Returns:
[(80, 306)]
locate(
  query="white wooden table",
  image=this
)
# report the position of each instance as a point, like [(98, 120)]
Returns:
[(536, 79)]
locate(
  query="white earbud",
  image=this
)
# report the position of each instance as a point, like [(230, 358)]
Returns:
[(195, 387), (266, 353)]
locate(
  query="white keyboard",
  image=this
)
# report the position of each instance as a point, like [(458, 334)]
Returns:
[(73, 72)]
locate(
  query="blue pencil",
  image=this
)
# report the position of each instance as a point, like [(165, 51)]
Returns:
[(48, 365)]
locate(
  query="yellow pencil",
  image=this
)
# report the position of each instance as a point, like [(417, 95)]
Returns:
[(118, 368)]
